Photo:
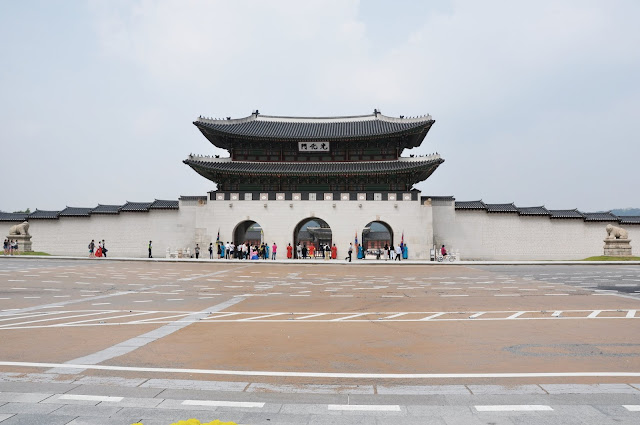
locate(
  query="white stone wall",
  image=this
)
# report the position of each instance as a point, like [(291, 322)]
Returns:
[(346, 218), (126, 234), (479, 235)]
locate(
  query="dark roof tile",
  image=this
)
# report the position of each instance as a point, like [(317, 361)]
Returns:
[(533, 211), (501, 208), (4, 216), (629, 219), (471, 205), (600, 216), (75, 212), (566, 214), (160, 204), (106, 209), (40, 214), (136, 206)]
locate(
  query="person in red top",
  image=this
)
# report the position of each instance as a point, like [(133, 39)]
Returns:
[(289, 251), (312, 250), (443, 251), (334, 252)]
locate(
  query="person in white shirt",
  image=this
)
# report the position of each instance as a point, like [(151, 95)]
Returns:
[(227, 249), (398, 253)]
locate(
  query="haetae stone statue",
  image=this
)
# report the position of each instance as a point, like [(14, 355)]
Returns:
[(614, 232), (19, 229), (617, 242), (20, 232)]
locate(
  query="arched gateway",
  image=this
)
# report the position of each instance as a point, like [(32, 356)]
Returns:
[(247, 231), (314, 232), (376, 234)]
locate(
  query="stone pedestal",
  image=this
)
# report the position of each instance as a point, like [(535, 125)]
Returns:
[(617, 247), (24, 242)]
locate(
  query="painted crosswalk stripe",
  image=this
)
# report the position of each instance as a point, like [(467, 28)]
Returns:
[(594, 314), (366, 407), (513, 316), (630, 314), (632, 407), (89, 397), (514, 408), (216, 403), (433, 316)]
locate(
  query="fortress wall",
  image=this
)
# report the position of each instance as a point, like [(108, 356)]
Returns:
[(479, 235), (126, 234)]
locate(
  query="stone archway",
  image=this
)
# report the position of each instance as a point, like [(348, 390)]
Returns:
[(247, 231), (376, 234), (312, 231)]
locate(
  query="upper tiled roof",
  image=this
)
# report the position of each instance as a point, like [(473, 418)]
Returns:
[(629, 219), (600, 216), (267, 127), (501, 208), (470, 205), (566, 214), (533, 211), (106, 209), (227, 166), (136, 206), (437, 198), (38, 214), (160, 204), (75, 212), (194, 198), (4, 216)]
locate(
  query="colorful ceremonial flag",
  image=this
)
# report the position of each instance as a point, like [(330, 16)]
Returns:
[(218, 238), (402, 239), (356, 238)]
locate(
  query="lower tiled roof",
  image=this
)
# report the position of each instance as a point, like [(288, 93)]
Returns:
[(533, 211), (566, 214), (40, 214), (136, 206), (106, 209), (470, 205), (75, 212), (501, 208), (629, 219), (12, 216), (600, 216), (160, 204), (226, 166)]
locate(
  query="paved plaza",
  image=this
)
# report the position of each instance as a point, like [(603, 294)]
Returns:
[(116, 342)]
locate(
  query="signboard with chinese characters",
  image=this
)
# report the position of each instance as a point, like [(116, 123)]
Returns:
[(313, 146)]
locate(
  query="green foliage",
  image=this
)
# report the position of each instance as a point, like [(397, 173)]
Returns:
[(608, 258), (27, 211)]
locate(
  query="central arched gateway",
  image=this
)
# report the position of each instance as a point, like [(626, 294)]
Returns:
[(375, 235), (312, 231), (247, 231)]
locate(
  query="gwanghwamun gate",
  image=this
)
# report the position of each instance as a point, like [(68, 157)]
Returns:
[(319, 181)]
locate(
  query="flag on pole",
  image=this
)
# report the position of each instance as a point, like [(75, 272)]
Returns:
[(261, 235), (402, 240), (218, 238), (356, 238)]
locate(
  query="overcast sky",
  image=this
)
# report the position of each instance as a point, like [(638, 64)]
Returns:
[(535, 102)]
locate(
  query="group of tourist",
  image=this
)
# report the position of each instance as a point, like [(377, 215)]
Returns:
[(301, 251), (97, 251), (10, 246), (244, 251)]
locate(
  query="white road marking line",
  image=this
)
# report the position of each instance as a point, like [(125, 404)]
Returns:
[(556, 314), (432, 316), (514, 408), (222, 403), (261, 317), (51, 318), (310, 316), (513, 316), (632, 407), (473, 316), (108, 318), (347, 317), (393, 316), (100, 303), (365, 407), (89, 397), (143, 301), (630, 314), (594, 314)]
